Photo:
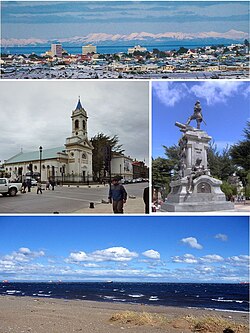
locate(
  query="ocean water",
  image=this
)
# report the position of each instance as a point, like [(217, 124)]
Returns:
[(100, 49), (228, 297)]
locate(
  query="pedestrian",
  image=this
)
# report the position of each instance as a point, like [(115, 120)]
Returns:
[(47, 185), (146, 199), (28, 181), (52, 183), (117, 196), (24, 185), (39, 186)]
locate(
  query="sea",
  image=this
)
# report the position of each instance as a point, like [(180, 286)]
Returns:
[(214, 296), (102, 49)]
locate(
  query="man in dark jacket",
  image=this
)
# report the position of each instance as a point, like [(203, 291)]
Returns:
[(117, 195)]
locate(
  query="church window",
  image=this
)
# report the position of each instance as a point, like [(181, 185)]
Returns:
[(84, 156), (72, 154), (83, 124), (76, 124)]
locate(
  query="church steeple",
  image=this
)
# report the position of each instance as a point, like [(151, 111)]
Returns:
[(79, 105), (79, 121)]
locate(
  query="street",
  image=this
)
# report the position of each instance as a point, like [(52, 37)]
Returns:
[(63, 199)]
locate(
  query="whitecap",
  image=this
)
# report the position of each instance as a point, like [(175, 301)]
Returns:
[(136, 296)]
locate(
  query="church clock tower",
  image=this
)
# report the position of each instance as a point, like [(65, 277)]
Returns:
[(78, 147)]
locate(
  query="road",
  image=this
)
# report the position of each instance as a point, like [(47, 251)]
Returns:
[(63, 199)]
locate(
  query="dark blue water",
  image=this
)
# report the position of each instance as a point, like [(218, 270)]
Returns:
[(233, 297), (100, 49)]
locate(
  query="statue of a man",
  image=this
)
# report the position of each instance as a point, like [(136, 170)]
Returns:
[(197, 171), (197, 115)]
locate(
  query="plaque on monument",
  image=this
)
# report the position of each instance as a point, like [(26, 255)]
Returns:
[(195, 190)]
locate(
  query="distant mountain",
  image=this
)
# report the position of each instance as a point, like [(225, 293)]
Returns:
[(134, 38)]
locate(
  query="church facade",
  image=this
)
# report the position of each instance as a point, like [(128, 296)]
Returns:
[(71, 162)]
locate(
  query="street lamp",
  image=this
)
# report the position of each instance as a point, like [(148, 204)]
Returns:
[(41, 150)]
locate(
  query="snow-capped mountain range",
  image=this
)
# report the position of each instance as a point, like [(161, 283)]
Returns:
[(135, 37)]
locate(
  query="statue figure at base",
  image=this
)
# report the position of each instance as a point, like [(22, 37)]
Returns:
[(197, 171), (197, 115)]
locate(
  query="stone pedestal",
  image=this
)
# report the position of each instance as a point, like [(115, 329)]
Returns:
[(195, 190), (205, 196)]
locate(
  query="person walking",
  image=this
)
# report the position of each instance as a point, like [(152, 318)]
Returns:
[(39, 186), (146, 199), (117, 196)]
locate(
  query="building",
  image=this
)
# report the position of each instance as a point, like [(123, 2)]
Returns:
[(88, 49), (121, 165), (70, 162), (56, 50), (136, 48), (140, 170)]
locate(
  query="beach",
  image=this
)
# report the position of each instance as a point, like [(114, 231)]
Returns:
[(43, 315)]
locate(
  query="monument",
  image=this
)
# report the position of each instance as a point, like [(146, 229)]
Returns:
[(194, 189)]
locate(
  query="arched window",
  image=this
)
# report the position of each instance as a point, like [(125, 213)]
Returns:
[(76, 124), (83, 124)]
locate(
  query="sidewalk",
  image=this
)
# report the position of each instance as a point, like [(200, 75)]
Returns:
[(132, 206)]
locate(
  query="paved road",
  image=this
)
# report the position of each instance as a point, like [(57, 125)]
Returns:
[(63, 199)]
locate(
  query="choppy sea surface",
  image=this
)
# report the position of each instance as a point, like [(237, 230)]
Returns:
[(227, 297)]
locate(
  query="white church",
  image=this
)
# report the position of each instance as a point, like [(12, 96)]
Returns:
[(73, 160)]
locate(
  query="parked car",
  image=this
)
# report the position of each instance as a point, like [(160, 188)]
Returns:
[(8, 188)]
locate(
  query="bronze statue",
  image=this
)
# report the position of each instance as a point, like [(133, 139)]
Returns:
[(197, 115), (197, 171)]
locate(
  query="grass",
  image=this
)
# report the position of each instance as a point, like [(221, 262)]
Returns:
[(139, 318), (203, 324), (215, 324)]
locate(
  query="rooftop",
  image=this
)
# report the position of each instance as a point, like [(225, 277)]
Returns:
[(35, 155)]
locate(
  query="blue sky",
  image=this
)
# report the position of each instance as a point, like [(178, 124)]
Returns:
[(58, 19), (167, 249), (225, 107)]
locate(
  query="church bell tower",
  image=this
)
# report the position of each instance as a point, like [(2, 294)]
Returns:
[(78, 147), (79, 121)]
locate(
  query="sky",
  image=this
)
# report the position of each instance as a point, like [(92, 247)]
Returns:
[(38, 114), (225, 108), (64, 19), (159, 249)]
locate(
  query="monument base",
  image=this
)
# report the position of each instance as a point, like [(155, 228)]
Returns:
[(204, 196)]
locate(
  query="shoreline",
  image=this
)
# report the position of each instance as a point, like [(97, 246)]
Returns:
[(40, 315), (152, 306)]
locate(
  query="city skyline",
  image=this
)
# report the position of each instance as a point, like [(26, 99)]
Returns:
[(65, 20), (197, 249), (224, 107), (39, 115)]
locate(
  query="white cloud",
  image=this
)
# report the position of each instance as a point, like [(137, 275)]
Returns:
[(77, 257), (239, 260), (192, 242), (216, 92), (187, 258), (24, 254), (114, 254), (222, 237), (110, 254), (212, 258), (152, 254), (169, 93)]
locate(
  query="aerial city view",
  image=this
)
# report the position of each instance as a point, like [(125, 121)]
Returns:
[(144, 40)]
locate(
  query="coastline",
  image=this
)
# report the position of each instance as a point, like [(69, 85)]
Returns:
[(40, 315)]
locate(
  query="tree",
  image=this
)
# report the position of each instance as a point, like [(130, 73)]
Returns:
[(99, 141), (240, 154), (182, 50), (246, 42), (220, 164)]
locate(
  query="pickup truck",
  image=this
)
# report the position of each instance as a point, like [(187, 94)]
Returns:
[(7, 187)]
